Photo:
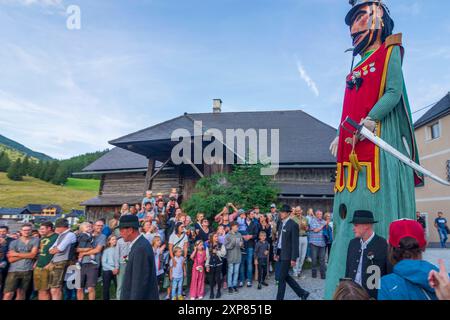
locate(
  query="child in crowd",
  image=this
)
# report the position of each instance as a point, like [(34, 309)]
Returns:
[(241, 220), (158, 250), (177, 273), (199, 256), (109, 264), (85, 240), (262, 258)]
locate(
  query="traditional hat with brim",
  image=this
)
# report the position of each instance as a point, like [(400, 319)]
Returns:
[(286, 208), (128, 221), (358, 3), (363, 217)]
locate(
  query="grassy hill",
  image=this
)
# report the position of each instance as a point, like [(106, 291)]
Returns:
[(14, 154), (16, 194), (20, 148)]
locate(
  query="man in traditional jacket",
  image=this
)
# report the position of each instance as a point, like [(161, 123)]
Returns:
[(368, 178), (367, 255), (139, 282)]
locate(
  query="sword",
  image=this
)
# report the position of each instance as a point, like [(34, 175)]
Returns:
[(360, 129)]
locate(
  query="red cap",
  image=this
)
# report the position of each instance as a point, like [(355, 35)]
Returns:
[(406, 228)]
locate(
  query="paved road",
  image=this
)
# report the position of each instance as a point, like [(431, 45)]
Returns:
[(315, 286)]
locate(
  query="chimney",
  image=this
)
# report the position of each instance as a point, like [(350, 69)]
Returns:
[(217, 105)]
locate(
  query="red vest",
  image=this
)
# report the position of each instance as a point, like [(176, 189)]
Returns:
[(358, 102)]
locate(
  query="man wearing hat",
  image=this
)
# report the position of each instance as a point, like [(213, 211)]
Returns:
[(139, 282), (375, 96), (287, 254), (367, 254)]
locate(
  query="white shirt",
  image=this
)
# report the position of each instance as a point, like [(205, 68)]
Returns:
[(281, 232), (364, 244), (132, 242)]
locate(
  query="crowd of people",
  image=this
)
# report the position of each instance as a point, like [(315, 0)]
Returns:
[(236, 248)]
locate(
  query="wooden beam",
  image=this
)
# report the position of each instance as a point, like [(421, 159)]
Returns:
[(194, 167), (148, 181), (159, 170)]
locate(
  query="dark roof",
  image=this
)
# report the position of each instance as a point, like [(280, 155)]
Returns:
[(303, 138), (112, 200), (13, 211), (41, 219), (74, 213), (118, 159), (37, 208), (305, 189), (440, 109)]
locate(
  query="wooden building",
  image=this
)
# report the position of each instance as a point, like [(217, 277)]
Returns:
[(142, 160)]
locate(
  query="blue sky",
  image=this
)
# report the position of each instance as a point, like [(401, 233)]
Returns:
[(135, 63)]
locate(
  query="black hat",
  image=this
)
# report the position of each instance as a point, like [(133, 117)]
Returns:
[(128, 221), (286, 208), (358, 3), (61, 223), (363, 217)]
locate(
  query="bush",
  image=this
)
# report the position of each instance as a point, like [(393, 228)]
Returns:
[(244, 186)]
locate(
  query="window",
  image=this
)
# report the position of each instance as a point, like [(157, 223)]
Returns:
[(435, 131)]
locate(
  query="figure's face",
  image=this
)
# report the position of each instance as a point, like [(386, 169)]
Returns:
[(26, 231), (363, 21), (126, 234), (44, 231), (98, 226), (319, 215), (360, 229), (147, 226), (359, 28), (3, 232)]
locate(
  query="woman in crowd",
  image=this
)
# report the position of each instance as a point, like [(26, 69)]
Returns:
[(203, 232), (328, 233), (224, 217), (125, 209), (109, 266), (409, 279), (350, 290), (214, 264)]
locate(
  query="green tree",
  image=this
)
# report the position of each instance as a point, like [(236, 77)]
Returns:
[(43, 170), (61, 176), (244, 186), (51, 171), (15, 170), (26, 166), (5, 162)]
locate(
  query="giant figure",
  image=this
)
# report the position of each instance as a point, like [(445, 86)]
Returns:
[(367, 178)]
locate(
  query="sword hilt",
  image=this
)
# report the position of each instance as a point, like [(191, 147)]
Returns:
[(352, 123)]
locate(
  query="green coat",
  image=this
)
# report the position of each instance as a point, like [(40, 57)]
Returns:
[(396, 198)]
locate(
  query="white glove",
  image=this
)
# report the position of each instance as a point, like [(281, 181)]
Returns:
[(334, 147), (369, 124)]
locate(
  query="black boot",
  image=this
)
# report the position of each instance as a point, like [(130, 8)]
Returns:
[(211, 295), (218, 295)]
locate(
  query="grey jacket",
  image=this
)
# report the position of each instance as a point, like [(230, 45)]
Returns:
[(233, 242)]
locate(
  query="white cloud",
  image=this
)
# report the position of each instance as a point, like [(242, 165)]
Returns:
[(308, 80), (45, 3)]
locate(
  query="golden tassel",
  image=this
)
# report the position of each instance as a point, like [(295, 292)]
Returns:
[(353, 157)]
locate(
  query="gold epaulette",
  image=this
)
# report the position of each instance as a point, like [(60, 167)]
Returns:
[(394, 39)]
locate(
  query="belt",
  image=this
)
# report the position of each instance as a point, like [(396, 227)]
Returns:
[(303, 236)]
